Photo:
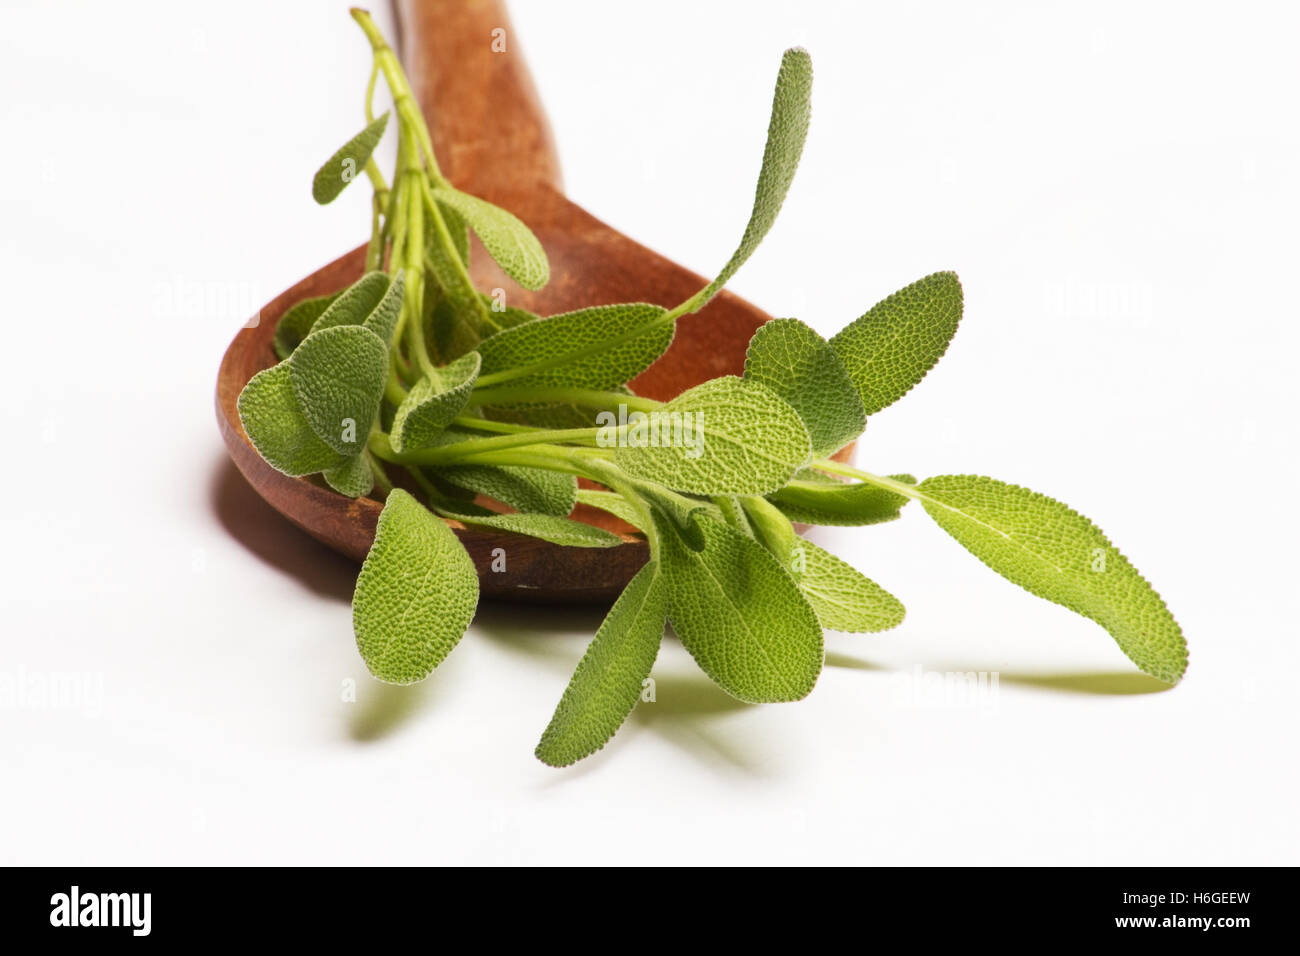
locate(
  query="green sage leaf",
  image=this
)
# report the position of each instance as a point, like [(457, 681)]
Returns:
[(680, 512), (433, 403), (457, 226), (355, 303), (552, 528), (772, 528), (507, 240), (338, 377), (1056, 553), (827, 501), (530, 490), (599, 348), (841, 596), (416, 593), (611, 675), (276, 426), (383, 318), (891, 347), (352, 478), (736, 438), (799, 365), (787, 129), (296, 323), (347, 163), (741, 616), (613, 503)]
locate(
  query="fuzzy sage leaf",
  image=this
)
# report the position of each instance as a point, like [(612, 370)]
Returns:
[(599, 348), (786, 131), (505, 237), (276, 426), (828, 501), (800, 366), (355, 303), (738, 438), (297, 322), (338, 377), (352, 478), (416, 594), (553, 528), (741, 616), (433, 403), (1056, 553), (891, 347), (841, 596), (347, 162), (609, 679)]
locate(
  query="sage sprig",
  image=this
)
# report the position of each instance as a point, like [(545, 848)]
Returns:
[(413, 382)]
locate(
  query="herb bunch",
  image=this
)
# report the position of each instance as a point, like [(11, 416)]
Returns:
[(413, 372)]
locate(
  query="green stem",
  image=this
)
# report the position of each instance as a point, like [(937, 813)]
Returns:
[(584, 397), (408, 111), (474, 448), (381, 477), (848, 471), (394, 391), (487, 425)]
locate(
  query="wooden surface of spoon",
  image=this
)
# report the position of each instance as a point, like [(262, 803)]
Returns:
[(492, 139)]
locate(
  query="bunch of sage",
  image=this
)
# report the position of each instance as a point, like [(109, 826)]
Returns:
[(412, 370)]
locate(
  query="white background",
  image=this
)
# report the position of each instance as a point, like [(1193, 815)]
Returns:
[(1116, 184)]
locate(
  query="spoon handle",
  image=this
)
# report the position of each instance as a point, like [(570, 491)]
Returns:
[(464, 63)]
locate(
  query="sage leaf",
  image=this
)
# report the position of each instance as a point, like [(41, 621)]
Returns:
[(416, 594), (679, 511), (1056, 553), (891, 347), (507, 240), (827, 501), (733, 513), (506, 316), (552, 528), (433, 403), (741, 616), (347, 163), (531, 490), (841, 596), (383, 318), (355, 303), (296, 323), (786, 131), (451, 333), (610, 677), (458, 311), (736, 438), (338, 377), (276, 426), (613, 503), (457, 226), (353, 477), (599, 348), (772, 528), (794, 361)]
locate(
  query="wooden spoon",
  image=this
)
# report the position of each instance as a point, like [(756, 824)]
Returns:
[(492, 139)]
